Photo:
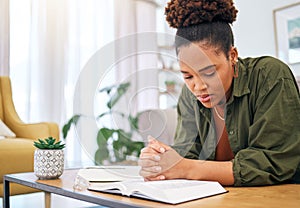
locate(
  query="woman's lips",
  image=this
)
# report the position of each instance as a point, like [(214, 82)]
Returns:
[(204, 98)]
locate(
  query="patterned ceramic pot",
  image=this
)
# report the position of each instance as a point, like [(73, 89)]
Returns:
[(48, 164)]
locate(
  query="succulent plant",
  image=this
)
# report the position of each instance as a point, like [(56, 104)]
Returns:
[(48, 143)]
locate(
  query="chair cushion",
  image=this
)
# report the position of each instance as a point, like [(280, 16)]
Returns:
[(16, 155)]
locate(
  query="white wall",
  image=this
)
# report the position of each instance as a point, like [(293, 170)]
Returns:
[(254, 28)]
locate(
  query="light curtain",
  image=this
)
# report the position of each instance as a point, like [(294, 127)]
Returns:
[(51, 42), (4, 38)]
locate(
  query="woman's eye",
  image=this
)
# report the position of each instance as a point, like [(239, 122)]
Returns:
[(187, 77), (209, 73)]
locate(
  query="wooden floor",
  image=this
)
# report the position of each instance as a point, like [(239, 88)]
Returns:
[(36, 200)]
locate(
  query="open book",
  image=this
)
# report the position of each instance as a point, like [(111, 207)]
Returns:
[(168, 191), (125, 180)]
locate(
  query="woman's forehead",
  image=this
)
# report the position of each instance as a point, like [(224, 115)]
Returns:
[(194, 56)]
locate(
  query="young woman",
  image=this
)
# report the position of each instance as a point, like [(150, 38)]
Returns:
[(238, 119)]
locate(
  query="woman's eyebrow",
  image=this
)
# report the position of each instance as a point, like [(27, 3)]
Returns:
[(202, 69), (207, 67)]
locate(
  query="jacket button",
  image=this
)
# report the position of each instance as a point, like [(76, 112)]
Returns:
[(231, 132)]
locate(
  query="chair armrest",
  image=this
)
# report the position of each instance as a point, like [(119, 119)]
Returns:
[(35, 130), (13, 121)]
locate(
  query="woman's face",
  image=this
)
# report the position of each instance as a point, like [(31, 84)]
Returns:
[(207, 74)]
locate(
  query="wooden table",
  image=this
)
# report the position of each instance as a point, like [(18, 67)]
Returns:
[(287, 195)]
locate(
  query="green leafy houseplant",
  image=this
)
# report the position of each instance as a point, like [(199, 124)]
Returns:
[(48, 143), (121, 139)]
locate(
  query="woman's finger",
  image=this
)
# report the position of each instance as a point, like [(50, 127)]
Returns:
[(148, 161), (150, 172), (156, 178), (148, 150), (156, 145)]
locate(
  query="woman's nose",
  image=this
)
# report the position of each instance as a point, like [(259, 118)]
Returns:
[(199, 84)]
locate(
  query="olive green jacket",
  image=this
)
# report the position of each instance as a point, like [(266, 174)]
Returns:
[(262, 120)]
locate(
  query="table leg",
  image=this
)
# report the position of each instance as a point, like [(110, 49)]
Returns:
[(47, 200), (6, 194)]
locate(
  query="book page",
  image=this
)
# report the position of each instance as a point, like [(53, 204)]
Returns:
[(177, 191), (124, 188), (110, 173)]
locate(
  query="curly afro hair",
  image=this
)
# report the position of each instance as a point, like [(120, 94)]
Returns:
[(204, 21), (184, 13)]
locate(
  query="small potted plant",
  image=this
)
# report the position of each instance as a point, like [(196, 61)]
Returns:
[(48, 158), (170, 85)]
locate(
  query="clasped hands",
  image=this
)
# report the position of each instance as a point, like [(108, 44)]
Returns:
[(159, 161)]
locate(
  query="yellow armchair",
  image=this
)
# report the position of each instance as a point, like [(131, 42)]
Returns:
[(16, 154)]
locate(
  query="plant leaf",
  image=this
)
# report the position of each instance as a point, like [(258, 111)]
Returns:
[(137, 146), (121, 90), (133, 121), (48, 143), (108, 89), (103, 114), (68, 125), (103, 135), (124, 135), (101, 155), (41, 141)]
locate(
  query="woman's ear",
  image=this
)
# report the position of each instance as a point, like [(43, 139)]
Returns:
[(234, 61), (233, 55)]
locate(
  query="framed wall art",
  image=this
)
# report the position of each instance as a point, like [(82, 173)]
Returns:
[(287, 33)]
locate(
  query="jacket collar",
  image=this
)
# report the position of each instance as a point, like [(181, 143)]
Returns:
[(241, 83)]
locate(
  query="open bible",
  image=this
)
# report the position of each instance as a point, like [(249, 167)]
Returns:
[(125, 180), (167, 191)]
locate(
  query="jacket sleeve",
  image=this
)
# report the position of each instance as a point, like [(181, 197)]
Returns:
[(186, 137), (273, 152)]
